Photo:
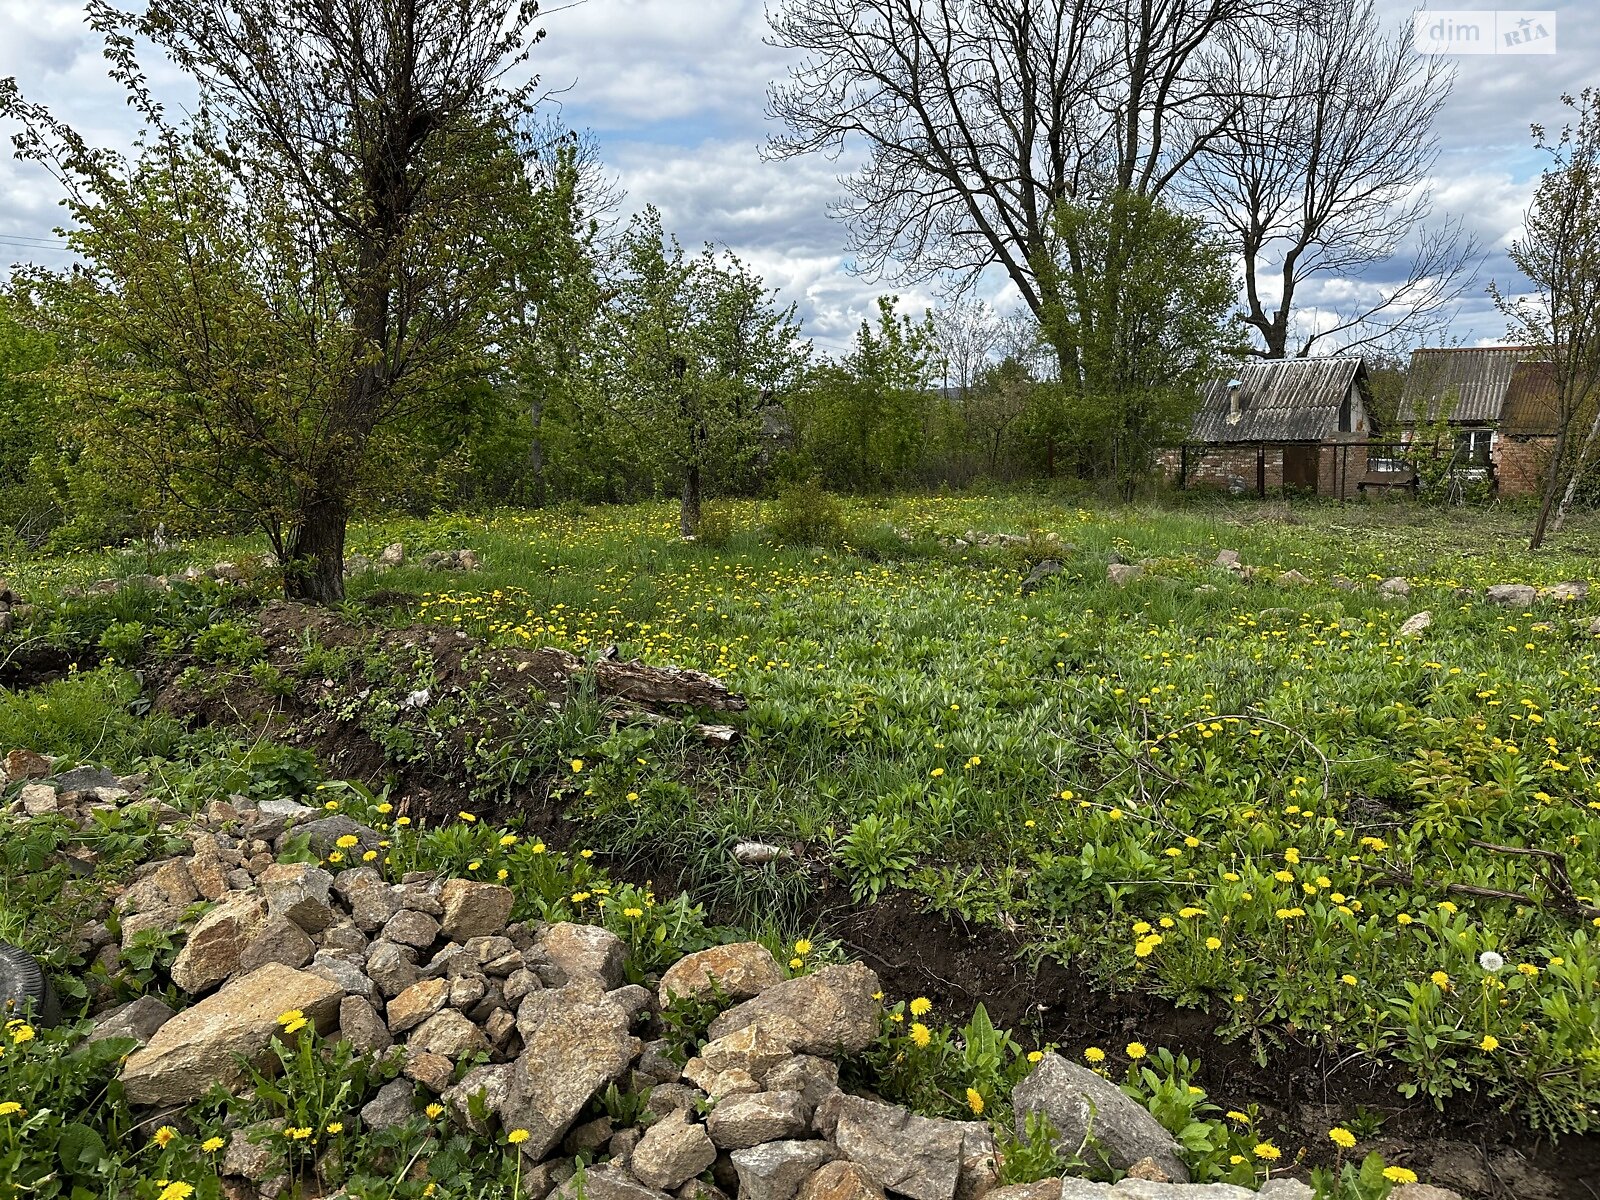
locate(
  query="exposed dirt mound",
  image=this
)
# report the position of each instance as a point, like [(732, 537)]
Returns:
[(315, 710)]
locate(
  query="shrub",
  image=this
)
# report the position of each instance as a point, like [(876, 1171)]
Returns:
[(805, 515)]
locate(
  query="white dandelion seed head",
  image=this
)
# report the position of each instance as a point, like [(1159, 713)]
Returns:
[(1490, 961)]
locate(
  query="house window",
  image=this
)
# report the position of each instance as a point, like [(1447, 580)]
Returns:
[(1387, 459), (1472, 448)]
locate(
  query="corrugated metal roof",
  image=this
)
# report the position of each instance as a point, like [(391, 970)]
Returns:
[(1479, 375), (1533, 405), (1282, 400)]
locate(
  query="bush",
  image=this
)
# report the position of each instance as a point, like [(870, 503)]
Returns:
[(805, 515), (716, 526)]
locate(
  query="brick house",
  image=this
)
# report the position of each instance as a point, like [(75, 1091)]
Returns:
[(1500, 406), (1296, 423)]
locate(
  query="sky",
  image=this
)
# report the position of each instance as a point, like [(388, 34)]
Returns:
[(675, 93)]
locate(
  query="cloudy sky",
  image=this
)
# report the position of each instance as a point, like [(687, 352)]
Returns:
[(675, 92)]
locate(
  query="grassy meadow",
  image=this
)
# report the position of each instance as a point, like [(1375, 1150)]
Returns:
[(1247, 796)]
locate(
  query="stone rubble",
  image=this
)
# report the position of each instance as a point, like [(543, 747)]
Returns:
[(520, 1025)]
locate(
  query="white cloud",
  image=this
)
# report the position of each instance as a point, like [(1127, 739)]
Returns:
[(676, 91)]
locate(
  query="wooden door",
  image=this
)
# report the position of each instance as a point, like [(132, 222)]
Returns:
[(1300, 467)]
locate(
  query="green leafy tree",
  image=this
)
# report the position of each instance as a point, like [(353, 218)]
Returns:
[(1146, 298), (697, 344), (864, 420), (30, 419), (283, 291)]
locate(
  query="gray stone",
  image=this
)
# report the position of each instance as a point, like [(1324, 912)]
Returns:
[(819, 1013), (1042, 570), (392, 967), (919, 1157), (1284, 1188), (1571, 591), (372, 907), (814, 1078), (411, 928), (1077, 1100), (634, 1000), (777, 1170), (1397, 586), (473, 909), (344, 938), (362, 1027), (81, 779), (299, 892), (466, 991), (744, 1121), (1145, 1189), (741, 970), (395, 1104), (841, 1181), (673, 1151), (417, 1003), (249, 1154), (585, 950), (1123, 574), (1511, 595), (568, 1056), (1291, 579), (138, 1019), (278, 940), (323, 836), (604, 1184), (449, 1033), (492, 1085), (211, 952), (1416, 625), (1228, 560), (203, 1045), (346, 974), (588, 1138)]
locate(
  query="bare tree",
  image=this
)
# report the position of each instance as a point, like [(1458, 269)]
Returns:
[(968, 333), (1325, 176), (1559, 252), (980, 117)]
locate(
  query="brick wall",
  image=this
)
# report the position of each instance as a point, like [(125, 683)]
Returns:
[(1226, 467), (1232, 468), (1520, 463)]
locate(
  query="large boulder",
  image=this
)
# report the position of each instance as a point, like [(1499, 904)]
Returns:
[(819, 1013), (567, 1057), (202, 1046), (742, 970), (213, 949), (1511, 595), (1077, 1101)]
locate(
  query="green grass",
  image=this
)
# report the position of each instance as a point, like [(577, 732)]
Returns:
[(1264, 779)]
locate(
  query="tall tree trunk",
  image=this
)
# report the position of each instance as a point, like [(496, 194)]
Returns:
[(536, 452), (1577, 474), (689, 508), (314, 568)]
